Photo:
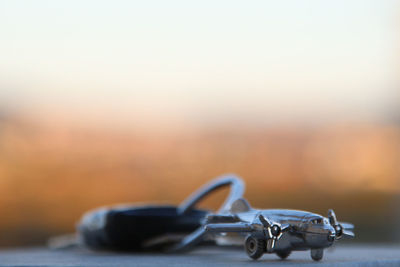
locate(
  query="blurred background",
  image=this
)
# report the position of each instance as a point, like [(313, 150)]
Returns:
[(106, 102)]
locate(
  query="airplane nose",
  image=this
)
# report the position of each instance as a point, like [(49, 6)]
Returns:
[(331, 236)]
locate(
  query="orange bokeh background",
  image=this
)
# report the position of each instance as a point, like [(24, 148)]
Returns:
[(53, 172)]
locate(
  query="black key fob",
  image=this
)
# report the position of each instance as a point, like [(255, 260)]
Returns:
[(128, 228), (150, 227)]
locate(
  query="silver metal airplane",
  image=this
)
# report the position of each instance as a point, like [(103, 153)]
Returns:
[(278, 231)]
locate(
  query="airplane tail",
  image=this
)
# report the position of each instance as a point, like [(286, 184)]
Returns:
[(240, 205)]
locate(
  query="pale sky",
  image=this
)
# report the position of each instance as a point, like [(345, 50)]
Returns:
[(201, 61)]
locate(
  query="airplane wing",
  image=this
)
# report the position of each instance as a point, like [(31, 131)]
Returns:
[(201, 234), (228, 227), (226, 218)]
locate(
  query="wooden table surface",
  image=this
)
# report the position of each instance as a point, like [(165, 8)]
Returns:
[(342, 255)]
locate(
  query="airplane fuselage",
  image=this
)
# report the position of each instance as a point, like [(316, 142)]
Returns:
[(307, 230)]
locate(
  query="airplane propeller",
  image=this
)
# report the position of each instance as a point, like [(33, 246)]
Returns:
[(274, 231), (341, 230), (334, 222)]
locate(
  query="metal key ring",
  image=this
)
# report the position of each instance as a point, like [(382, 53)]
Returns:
[(237, 190)]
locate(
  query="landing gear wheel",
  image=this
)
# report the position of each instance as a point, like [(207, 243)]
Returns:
[(283, 254), (317, 254), (254, 247)]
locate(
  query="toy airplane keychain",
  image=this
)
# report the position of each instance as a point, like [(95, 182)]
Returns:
[(177, 229)]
